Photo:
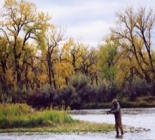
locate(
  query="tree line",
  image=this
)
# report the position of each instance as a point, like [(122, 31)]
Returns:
[(37, 63)]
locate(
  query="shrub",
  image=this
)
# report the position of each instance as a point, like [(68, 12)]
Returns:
[(41, 98)]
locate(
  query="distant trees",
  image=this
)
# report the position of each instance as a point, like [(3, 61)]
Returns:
[(50, 52), (37, 64), (134, 37), (108, 60), (20, 23)]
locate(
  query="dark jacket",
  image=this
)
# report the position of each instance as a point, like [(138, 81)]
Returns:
[(116, 110)]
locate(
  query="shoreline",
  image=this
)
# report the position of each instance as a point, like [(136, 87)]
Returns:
[(76, 127)]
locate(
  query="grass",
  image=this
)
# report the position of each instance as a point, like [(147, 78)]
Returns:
[(21, 118), (66, 128), (21, 115)]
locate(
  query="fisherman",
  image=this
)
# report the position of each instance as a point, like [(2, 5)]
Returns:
[(116, 110)]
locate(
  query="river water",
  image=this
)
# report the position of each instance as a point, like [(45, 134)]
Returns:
[(143, 121)]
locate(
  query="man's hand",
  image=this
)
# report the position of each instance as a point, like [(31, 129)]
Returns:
[(108, 112)]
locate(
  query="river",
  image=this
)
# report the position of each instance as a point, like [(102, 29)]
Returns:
[(143, 120)]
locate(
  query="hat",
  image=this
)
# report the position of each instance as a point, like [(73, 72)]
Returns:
[(114, 101)]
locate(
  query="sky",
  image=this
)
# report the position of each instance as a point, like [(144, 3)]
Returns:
[(87, 21)]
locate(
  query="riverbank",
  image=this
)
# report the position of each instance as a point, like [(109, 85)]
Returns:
[(77, 127), (139, 102), (22, 118)]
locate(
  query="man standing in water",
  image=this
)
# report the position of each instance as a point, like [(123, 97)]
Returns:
[(116, 110)]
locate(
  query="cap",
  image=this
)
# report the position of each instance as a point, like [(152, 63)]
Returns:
[(114, 101)]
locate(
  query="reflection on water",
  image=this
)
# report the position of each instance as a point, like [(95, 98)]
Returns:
[(139, 118)]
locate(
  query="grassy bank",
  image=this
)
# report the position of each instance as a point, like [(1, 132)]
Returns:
[(139, 102), (65, 128), (21, 118)]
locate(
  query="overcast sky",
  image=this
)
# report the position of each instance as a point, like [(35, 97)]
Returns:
[(87, 20)]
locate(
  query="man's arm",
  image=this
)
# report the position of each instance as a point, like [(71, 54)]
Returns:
[(110, 111)]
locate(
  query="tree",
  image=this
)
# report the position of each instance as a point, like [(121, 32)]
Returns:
[(88, 65), (108, 55), (50, 52), (134, 36), (21, 23), (4, 76), (64, 67)]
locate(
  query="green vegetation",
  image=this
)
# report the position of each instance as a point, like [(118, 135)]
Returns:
[(75, 127), (21, 115), (21, 118)]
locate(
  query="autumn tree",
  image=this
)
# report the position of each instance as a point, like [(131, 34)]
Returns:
[(4, 66), (88, 65), (76, 55), (50, 52), (108, 57), (134, 35), (64, 67), (21, 23)]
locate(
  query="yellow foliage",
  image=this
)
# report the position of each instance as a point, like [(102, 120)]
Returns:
[(30, 75), (43, 78), (64, 69), (93, 68), (9, 3), (60, 82), (9, 76)]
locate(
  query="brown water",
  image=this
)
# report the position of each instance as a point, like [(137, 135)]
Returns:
[(143, 121)]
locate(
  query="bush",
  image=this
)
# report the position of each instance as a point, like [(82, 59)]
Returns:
[(41, 98)]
